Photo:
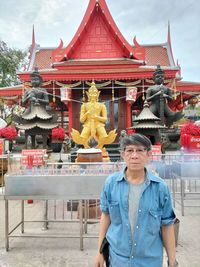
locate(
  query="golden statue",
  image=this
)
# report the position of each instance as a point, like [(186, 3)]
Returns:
[(93, 115)]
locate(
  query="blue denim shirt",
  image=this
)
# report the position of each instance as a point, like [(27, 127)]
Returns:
[(145, 249)]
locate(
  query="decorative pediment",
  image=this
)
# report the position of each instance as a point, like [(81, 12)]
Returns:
[(97, 37)]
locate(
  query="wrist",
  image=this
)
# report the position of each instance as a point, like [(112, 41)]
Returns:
[(172, 263)]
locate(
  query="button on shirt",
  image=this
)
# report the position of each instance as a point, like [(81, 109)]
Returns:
[(145, 249)]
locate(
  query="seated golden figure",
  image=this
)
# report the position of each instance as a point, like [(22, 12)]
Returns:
[(93, 116)]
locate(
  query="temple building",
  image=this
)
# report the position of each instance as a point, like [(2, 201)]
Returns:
[(98, 52)]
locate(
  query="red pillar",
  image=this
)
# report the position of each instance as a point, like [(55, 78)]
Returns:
[(128, 115)]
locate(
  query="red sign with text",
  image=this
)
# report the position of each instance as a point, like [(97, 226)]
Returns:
[(156, 149), (194, 142), (32, 157), (1, 146)]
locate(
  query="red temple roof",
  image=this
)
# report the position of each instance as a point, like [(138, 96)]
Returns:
[(12, 90), (154, 55), (97, 37), (157, 54), (99, 51), (184, 86)]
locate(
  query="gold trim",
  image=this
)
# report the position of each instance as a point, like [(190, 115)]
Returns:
[(68, 85), (127, 84), (100, 84)]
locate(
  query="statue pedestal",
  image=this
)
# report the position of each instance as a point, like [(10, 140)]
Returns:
[(89, 155), (91, 209)]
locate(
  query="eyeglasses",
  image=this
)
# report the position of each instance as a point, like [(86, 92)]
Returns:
[(139, 151)]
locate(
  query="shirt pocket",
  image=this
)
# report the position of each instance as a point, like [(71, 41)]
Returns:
[(114, 211), (154, 221)]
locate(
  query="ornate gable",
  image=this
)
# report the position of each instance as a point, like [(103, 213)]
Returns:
[(98, 41), (97, 37)]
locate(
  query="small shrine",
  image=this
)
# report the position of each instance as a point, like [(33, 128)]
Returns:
[(148, 124), (38, 118)]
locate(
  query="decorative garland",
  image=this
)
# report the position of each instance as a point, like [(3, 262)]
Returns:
[(128, 84), (68, 85), (84, 99), (151, 81), (143, 96), (43, 84), (113, 92), (9, 97), (100, 84)]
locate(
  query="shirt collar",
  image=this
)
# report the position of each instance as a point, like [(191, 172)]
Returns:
[(149, 176)]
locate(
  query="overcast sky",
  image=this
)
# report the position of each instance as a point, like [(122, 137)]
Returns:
[(147, 19)]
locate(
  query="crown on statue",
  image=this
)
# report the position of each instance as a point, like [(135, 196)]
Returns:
[(93, 88)]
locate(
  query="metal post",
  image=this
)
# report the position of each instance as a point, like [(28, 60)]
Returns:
[(45, 225), (86, 214), (81, 224), (182, 196), (173, 190), (22, 216), (6, 225)]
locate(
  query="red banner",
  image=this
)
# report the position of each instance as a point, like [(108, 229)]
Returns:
[(190, 142), (194, 142), (32, 157), (156, 150)]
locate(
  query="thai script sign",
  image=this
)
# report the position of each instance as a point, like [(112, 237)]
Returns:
[(32, 157), (194, 142)]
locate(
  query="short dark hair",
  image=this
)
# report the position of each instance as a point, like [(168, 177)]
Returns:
[(135, 139)]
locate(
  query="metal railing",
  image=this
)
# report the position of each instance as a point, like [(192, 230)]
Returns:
[(84, 208)]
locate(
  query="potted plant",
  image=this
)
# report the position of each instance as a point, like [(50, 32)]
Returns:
[(57, 135), (8, 133)]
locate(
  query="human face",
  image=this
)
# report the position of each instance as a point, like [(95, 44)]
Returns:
[(136, 157)]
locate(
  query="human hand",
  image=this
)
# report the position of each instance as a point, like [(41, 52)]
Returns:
[(172, 264), (99, 261)]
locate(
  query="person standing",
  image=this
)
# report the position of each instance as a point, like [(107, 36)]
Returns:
[(137, 215)]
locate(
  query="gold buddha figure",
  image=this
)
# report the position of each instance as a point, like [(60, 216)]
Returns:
[(93, 116)]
